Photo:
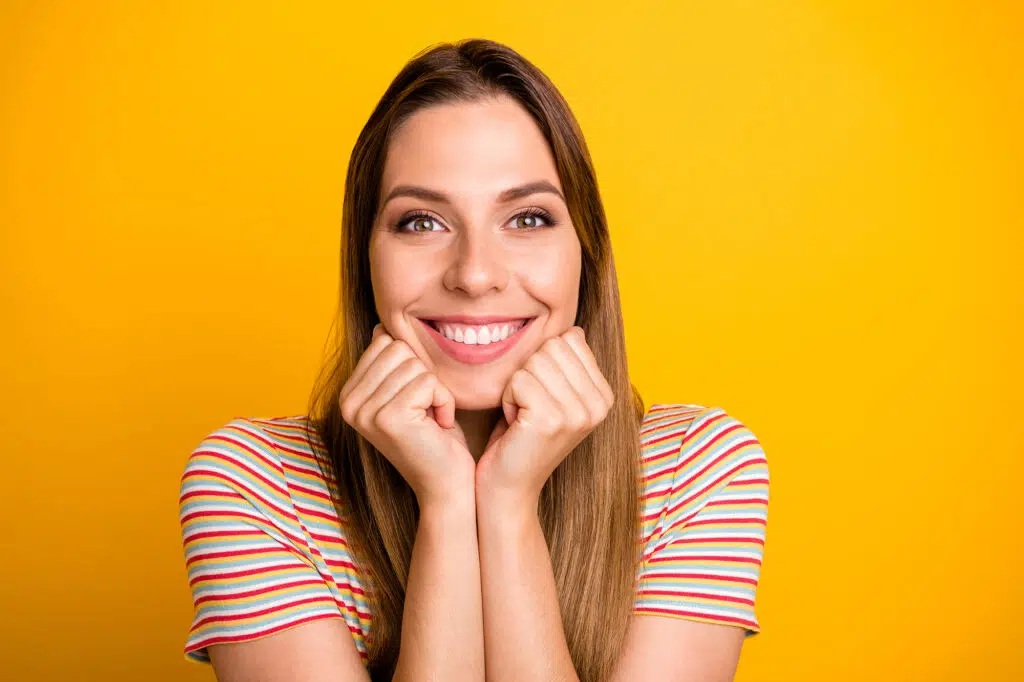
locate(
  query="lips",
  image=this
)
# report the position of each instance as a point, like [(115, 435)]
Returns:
[(471, 353)]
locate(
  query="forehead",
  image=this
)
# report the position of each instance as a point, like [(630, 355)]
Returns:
[(469, 148)]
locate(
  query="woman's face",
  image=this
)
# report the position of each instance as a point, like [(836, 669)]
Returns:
[(473, 257)]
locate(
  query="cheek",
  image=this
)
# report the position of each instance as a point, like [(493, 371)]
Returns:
[(552, 276), (396, 280)]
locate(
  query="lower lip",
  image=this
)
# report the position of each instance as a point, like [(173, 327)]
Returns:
[(472, 354)]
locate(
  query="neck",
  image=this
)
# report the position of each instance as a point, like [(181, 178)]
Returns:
[(477, 426)]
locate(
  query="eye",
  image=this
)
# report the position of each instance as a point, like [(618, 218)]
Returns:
[(419, 222), (531, 219)]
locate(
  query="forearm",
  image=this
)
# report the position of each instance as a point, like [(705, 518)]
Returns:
[(442, 623), (523, 634)]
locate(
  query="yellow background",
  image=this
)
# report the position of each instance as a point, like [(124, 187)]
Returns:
[(817, 213)]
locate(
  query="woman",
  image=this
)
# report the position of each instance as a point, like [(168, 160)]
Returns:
[(476, 485)]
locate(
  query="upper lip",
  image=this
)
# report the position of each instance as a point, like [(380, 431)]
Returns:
[(476, 319)]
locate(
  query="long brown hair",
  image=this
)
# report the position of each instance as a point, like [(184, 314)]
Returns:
[(590, 506)]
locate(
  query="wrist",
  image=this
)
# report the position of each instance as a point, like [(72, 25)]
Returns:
[(509, 508), (458, 499)]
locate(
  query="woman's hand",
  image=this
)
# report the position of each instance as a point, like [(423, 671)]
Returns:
[(409, 415), (549, 406)]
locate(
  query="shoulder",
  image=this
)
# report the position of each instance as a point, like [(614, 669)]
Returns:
[(683, 434), (258, 448), (264, 547), (271, 462), (690, 451)]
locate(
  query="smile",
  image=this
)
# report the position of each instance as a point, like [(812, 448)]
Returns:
[(477, 343)]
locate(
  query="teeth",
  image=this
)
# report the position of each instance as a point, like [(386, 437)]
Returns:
[(480, 335)]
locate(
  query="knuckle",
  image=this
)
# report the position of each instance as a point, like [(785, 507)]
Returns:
[(364, 417), (347, 411), (533, 364), (578, 420), (382, 418), (412, 365), (551, 422), (519, 376), (402, 348)]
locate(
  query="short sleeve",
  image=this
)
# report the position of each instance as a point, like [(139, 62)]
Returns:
[(706, 499), (249, 567)]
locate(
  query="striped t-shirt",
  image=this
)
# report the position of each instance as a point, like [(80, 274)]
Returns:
[(265, 551)]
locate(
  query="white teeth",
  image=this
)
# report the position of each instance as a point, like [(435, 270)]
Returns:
[(481, 335)]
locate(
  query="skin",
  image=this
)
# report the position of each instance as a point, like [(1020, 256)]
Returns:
[(477, 442)]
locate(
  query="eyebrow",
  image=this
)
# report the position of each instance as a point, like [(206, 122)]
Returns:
[(510, 194)]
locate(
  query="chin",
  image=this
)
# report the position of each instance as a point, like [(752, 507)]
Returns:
[(471, 395)]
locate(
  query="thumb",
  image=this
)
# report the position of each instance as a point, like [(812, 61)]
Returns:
[(508, 404), (443, 406)]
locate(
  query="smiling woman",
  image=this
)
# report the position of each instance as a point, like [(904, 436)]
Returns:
[(477, 486)]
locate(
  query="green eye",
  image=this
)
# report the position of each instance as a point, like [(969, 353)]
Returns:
[(419, 222), (533, 219), (423, 225)]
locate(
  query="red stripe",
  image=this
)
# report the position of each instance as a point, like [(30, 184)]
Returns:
[(227, 618), (256, 592), (319, 494), (226, 639), (245, 573), (726, 521), (200, 556), (697, 595), (727, 474), (317, 514), (760, 501), (223, 534), (654, 421), (234, 515), (230, 494), (729, 619), (696, 557), (655, 575)]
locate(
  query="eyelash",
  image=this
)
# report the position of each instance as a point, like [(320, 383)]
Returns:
[(531, 212)]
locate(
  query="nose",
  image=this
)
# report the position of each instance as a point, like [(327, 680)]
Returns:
[(478, 264)]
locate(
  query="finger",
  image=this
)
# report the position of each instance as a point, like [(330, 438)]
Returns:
[(388, 388), (576, 340), (526, 399), (578, 377), (544, 366), (420, 394), (394, 354), (443, 404), (375, 348)]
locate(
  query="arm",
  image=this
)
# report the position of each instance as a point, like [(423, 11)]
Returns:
[(442, 628), (695, 597), (674, 649), (522, 614), (263, 609), (520, 603)]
